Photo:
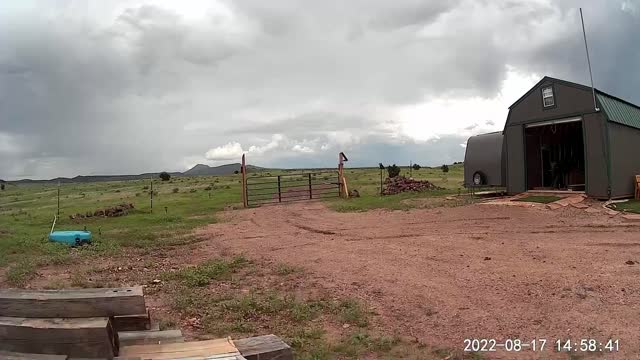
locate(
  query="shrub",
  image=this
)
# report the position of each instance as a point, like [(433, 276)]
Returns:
[(165, 176), (393, 171), (146, 187), (175, 190), (192, 190), (416, 167), (208, 188), (444, 168), (1, 186), (236, 172)]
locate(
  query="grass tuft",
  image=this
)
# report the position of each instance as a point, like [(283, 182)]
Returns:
[(203, 274), (20, 273), (285, 269)]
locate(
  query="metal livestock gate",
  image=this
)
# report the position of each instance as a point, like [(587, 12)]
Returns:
[(275, 189)]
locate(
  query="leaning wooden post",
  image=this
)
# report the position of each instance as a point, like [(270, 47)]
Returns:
[(343, 182), (243, 169)]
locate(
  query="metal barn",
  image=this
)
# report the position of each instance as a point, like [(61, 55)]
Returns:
[(556, 139)]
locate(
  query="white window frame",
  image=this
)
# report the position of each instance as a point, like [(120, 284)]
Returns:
[(547, 96)]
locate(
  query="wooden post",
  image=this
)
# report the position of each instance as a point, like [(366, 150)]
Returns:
[(310, 190), (279, 192), (243, 169), (343, 183)]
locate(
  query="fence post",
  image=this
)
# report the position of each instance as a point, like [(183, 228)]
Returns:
[(310, 190), (245, 193), (279, 193)]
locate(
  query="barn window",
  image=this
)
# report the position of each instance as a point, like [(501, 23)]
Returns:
[(547, 96)]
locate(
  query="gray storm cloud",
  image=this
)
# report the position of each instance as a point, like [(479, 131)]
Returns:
[(148, 87)]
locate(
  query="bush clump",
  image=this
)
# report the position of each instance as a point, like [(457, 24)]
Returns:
[(393, 171)]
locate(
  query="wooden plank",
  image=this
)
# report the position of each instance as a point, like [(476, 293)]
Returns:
[(72, 302), (194, 349), (137, 322), (128, 338), (10, 355), (81, 337), (267, 347)]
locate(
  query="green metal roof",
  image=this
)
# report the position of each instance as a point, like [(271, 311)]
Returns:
[(619, 111)]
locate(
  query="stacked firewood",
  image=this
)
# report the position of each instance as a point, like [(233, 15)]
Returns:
[(401, 184), (113, 211)]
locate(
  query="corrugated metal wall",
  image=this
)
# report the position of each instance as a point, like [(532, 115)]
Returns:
[(624, 143), (514, 138), (593, 126)]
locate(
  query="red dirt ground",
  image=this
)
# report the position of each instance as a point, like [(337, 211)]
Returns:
[(478, 271)]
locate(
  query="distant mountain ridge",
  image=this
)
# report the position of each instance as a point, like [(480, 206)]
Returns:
[(202, 169), (198, 170)]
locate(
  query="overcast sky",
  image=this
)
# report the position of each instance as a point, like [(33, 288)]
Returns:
[(115, 87)]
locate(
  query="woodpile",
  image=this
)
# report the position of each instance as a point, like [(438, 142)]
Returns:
[(108, 324), (113, 211), (400, 184)]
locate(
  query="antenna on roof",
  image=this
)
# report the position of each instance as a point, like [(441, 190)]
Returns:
[(584, 34)]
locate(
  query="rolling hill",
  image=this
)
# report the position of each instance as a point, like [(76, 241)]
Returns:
[(198, 170)]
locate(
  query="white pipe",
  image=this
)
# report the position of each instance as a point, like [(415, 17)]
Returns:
[(55, 217)]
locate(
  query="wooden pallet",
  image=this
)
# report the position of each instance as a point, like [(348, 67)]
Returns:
[(209, 349)]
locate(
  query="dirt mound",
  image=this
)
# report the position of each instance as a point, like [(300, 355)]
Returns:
[(401, 184), (113, 211)]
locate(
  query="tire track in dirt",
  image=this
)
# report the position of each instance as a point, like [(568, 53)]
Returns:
[(446, 274)]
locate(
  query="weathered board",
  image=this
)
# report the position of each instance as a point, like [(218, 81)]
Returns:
[(75, 303), (267, 347), (10, 355), (80, 337), (136, 322), (210, 349), (128, 338)]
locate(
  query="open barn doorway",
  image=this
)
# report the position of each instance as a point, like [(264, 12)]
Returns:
[(555, 155)]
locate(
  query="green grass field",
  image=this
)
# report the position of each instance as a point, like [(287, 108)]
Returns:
[(632, 206), (27, 212), (181, 205)]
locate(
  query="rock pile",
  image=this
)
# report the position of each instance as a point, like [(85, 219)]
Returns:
[(401, 184), (113, 211)]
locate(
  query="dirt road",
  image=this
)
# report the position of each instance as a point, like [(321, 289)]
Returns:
[(479, 271)]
